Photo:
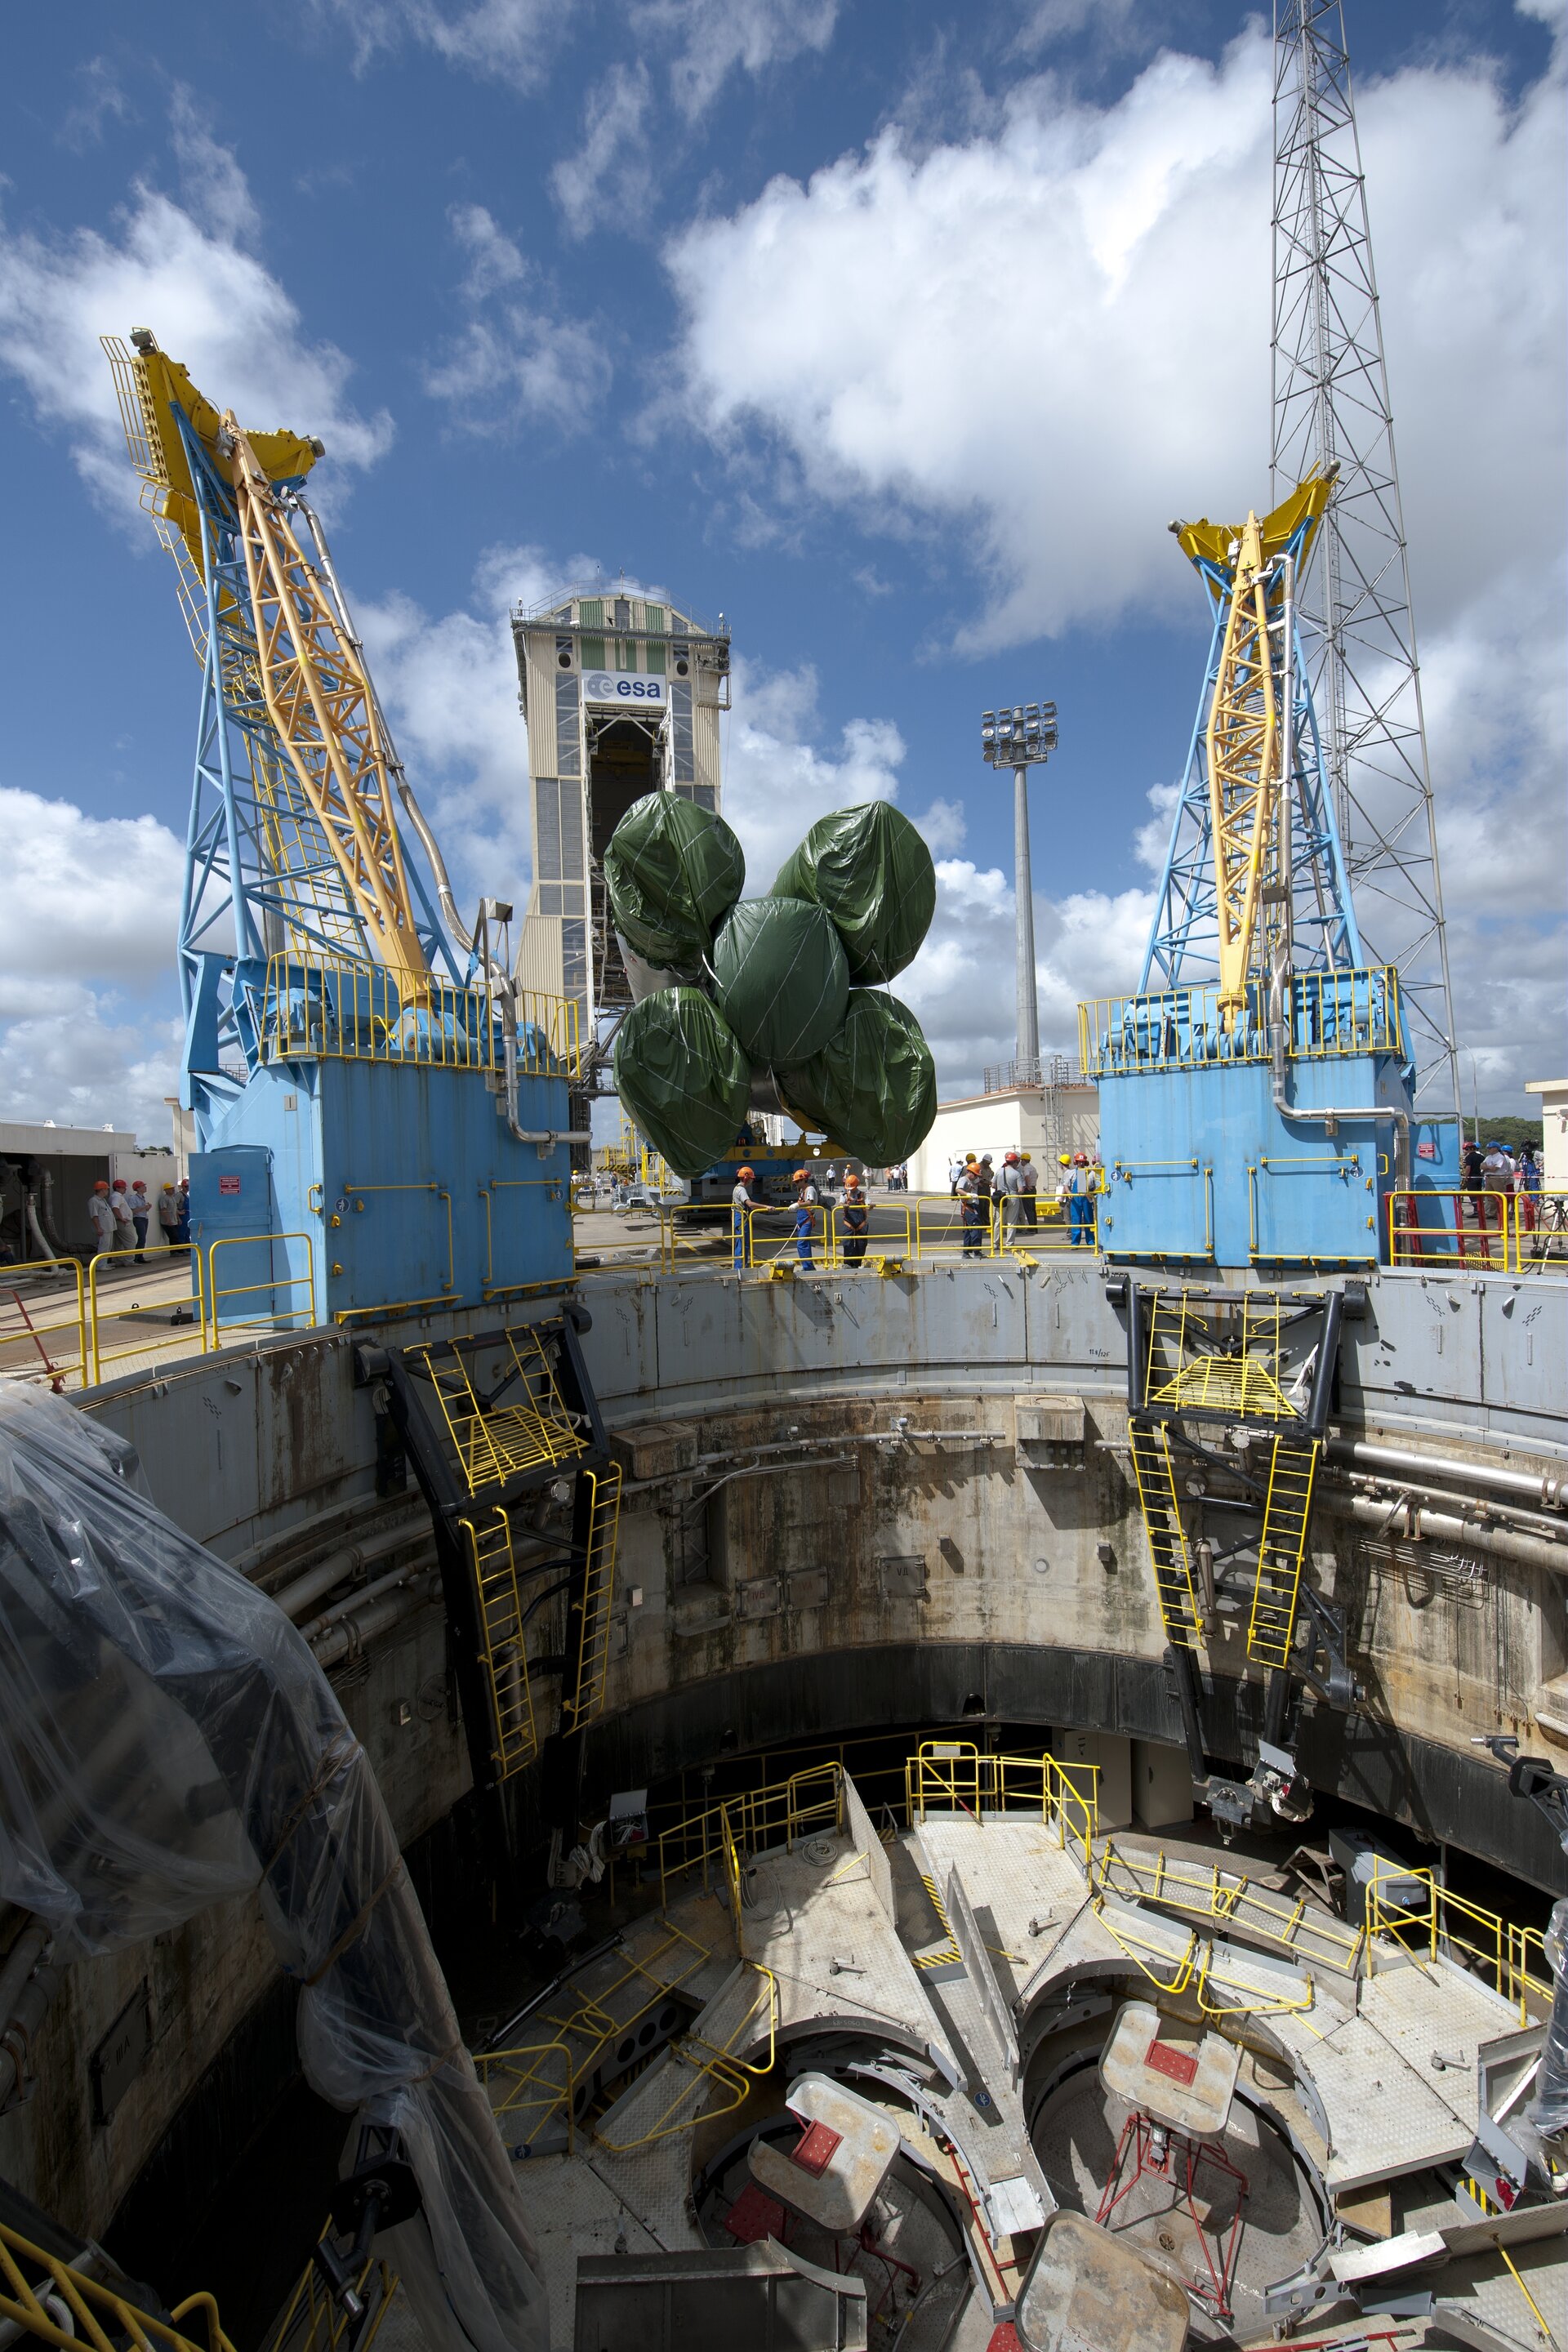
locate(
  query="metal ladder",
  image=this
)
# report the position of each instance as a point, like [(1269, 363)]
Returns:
[(502, 1652), (1282, 1547), (598, 1591), (1154, 1472)]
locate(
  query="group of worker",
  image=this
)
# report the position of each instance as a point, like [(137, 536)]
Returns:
[(121, 1215), (1497, 1174), (975, 1183), (853, 1213)]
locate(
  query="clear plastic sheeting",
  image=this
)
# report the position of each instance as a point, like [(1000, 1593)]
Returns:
[(1550, 2113), (167, 1740)]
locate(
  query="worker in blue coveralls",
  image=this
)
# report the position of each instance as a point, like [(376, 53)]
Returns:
[(1081, 1200), (804, 1215), (742, 1199)]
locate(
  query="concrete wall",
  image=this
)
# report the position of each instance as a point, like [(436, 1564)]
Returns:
[(879, 1576)]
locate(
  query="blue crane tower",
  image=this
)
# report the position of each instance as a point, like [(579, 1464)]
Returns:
[(381, 1116)]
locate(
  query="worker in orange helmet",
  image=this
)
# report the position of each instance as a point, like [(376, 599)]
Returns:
[(855, 1218), (742, 1201), (100, 1209), (804, 1215), (974, 1207), (1081, 1200)]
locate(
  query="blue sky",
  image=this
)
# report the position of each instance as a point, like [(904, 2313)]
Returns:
[(894, 334)]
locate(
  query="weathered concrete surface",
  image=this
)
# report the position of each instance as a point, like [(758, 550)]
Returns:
[(897, 1584)]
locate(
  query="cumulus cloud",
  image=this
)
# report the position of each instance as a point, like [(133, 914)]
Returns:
[(88, 908), (516, 41), (514, 359), (185, 271), (607, 179), (1011, 333)]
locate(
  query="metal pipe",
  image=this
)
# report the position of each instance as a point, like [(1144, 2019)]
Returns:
[(1028, 1002), (349, 1635), (296, 1597), (355, 1601), (546, 1137), (1551, 1493), (1503, 1543), (1514, 1514)]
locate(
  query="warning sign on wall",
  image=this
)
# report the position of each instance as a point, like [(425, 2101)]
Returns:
[(229, 1183)]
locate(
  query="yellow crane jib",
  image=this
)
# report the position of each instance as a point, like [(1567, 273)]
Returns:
[(309, 668), (321, 703), (1248, 736)]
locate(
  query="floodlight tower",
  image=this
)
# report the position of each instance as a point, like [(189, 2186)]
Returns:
[(1330, 409), (1021, 738)]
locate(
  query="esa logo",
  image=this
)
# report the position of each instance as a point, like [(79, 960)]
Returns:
[(622, 685)]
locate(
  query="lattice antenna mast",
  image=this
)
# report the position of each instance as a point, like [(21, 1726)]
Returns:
[(1330, 408)]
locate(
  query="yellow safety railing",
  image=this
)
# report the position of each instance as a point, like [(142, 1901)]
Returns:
[(1510, 1958), (541, 2080), (317, 1006), (1229, 1900), (809, 1803), (1329, 1014), (1540, 1228), (314, 2321), (1457, 1231), (100, 1312), (32, 2280), (954, 1776), (491, 1442), (28, 1324), (275, 1317), (1193, 1969), (719, 2064)]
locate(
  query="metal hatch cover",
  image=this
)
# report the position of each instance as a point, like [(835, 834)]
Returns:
[(1090, 2292)]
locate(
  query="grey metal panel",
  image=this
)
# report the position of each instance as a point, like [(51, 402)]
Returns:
[(1524, 1355)]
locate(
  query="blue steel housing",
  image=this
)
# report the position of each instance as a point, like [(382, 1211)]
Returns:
[(1215, 1153), (351, 1157)]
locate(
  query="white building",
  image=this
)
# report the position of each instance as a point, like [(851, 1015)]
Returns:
[(1040, 1120), (622, 698), (1554, 1093)]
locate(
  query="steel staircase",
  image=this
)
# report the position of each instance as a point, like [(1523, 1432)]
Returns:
[(1282, 1547), (1155, 1473)]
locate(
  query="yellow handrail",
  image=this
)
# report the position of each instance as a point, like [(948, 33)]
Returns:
[(91, 2305), (1498, 1951), (29, 1332), (975, 1782), (326, 2324), (285, 1282), (146, 1346)]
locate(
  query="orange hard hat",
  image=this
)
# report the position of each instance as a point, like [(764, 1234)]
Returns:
[(101, 1185), (852, 1180), (803, 1175), (747, 1174)]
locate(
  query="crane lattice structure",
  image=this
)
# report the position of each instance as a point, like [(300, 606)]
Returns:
[(1254, 882), (1330, 411), (293, 848)]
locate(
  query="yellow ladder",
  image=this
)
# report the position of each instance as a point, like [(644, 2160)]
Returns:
[(598, 1591), (1282, 1547), (1155, 1473), (514, 1741)]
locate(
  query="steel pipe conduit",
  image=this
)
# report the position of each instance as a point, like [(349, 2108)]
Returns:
[(1549, 1493), (1416, 1519)]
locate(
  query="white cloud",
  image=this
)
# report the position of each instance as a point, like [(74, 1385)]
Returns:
[(514, 359), (88, 910), (84, 896), (215, 187), (607, 179), (1054, 336), (711, 38), (100, 99), (210, 303), (516, 41)]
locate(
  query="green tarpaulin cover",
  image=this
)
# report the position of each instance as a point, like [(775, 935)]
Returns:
[(780, 979), (674, 871), (680, 1072), (872, 1087), (872, 872)]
